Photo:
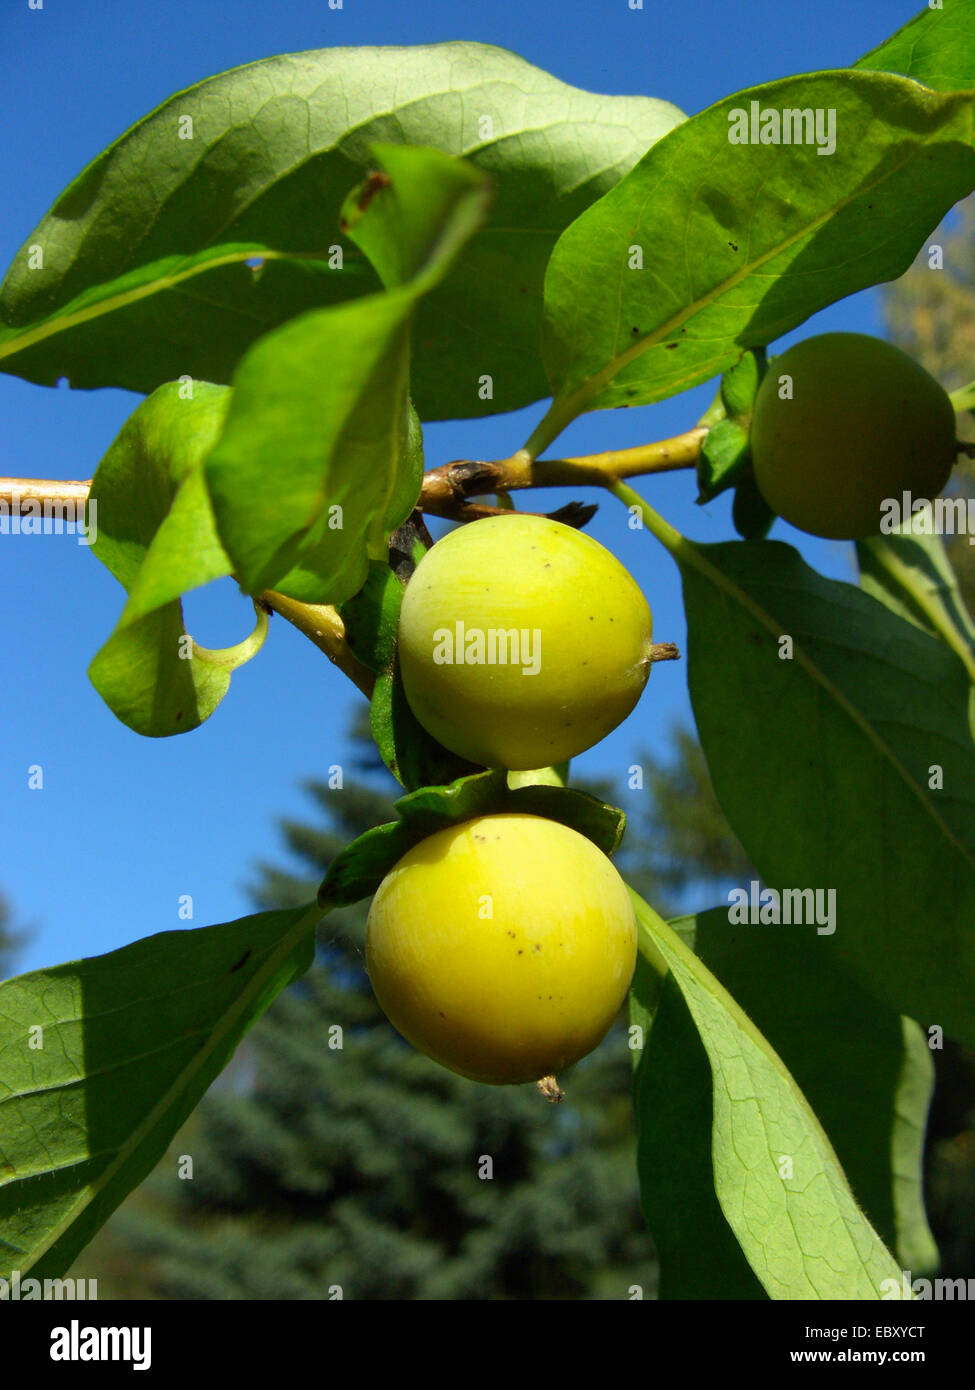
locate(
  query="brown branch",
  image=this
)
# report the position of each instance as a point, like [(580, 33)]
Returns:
[(446, 489)]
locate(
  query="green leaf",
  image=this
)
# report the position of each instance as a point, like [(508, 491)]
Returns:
[(827, 1028), (724, 456), (822, 763), (672, 1096), (936, 47), (715, 278), (801, 1232), (316, 460), (407, 479), (359, 869), (144, 279), (102, 1060), (156, 533), (411, 217), (740, 384)]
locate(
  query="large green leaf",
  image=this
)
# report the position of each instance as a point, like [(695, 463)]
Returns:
[(717, 277), (101, 1061), (145, 279), (315, 461), (826, 764), (823, 1026), (156, 533), (936, 47), (775, 1174)]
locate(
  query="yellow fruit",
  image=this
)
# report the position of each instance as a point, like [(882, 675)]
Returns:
[(583, 633), (866, 422), (503, 947)]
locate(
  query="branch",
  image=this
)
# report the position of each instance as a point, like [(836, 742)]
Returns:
[(15, 490), (446, 489), (444, 493)]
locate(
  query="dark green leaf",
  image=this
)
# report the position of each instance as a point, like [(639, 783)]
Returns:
[(751, 514), (826, 765)]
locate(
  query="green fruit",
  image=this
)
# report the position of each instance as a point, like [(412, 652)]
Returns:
[(584, 640), (503, 947), (865, 423)]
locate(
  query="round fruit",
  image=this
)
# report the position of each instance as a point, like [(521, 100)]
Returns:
[(865, 422), (522, 642), (502, 947)]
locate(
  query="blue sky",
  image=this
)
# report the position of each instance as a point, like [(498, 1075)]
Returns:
[(124, 826)]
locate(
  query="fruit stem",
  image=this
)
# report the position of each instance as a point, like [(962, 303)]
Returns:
[(963, 399), (664, 651), (557, 776), (551, 1089), (666, 534)]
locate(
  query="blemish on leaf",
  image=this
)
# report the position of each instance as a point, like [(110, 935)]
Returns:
[(375, 181), (243, 960)]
